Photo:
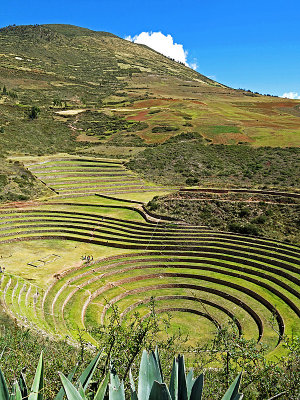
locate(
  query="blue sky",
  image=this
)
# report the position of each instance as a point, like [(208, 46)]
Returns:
[(248, 44)]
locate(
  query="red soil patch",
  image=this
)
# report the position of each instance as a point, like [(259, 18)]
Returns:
[(169, 99), (229, 138), (275, 104), (141, 116)]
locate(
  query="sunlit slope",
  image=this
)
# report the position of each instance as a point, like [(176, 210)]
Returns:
[(145, 96)]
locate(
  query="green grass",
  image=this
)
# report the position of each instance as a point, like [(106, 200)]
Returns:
[(67, 324), (114, 292), (110, 178)]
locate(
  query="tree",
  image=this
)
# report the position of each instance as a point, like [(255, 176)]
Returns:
[(33, 112)]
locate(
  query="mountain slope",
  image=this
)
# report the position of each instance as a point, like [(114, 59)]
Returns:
[(135, 96)]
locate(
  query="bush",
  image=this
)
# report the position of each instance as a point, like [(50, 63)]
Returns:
[(33, 112), (185, 136), (164, 128), (245, 212), (248, 229), (261, 219), (192, 181), (152, 205)]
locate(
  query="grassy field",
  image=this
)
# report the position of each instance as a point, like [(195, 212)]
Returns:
[(201, 276)]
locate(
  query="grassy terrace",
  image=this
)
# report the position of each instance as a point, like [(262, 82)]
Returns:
[(202, 277), (83, 176)]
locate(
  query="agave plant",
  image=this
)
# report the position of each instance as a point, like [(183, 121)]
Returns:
[(182, 386), (151, 385), (20, 390)]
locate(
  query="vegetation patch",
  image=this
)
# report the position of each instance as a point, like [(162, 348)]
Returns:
[(276, 218), (101, 124), (126, 140), (164, 128), (219, 165), (220, 129), (18, 184)]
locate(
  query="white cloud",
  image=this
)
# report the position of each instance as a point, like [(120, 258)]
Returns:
[(291, 95), (164, 44)]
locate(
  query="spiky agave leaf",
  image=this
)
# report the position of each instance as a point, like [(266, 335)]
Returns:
[(23, 386), (114, 378), (102, 389), (182, 387), (197, 389), (233, 391), (133, 393), (60, 395), (190, 382), (88, 373), (3, 387), (148, 373), (81, 391), (70, 390), (190, 388), (159, 391), (173, 387), (116, 388), (158, 362), (17, 394), (38, 382)]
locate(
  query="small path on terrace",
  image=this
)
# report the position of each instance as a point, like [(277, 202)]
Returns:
[(231, 201), (72, 126)]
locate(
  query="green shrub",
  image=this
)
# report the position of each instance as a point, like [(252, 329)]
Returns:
[(185, 136), (245, 212), (152, 205), (33, 113), (261, 219), (248, 229), (192, 181), (164, 128)]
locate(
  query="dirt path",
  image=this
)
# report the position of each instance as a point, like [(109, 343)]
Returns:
[(234, 201)]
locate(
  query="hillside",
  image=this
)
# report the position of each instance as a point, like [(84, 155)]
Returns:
[(126, 177), (128, 95)]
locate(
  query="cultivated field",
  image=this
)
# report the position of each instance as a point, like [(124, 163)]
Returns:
[(93, 245)]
